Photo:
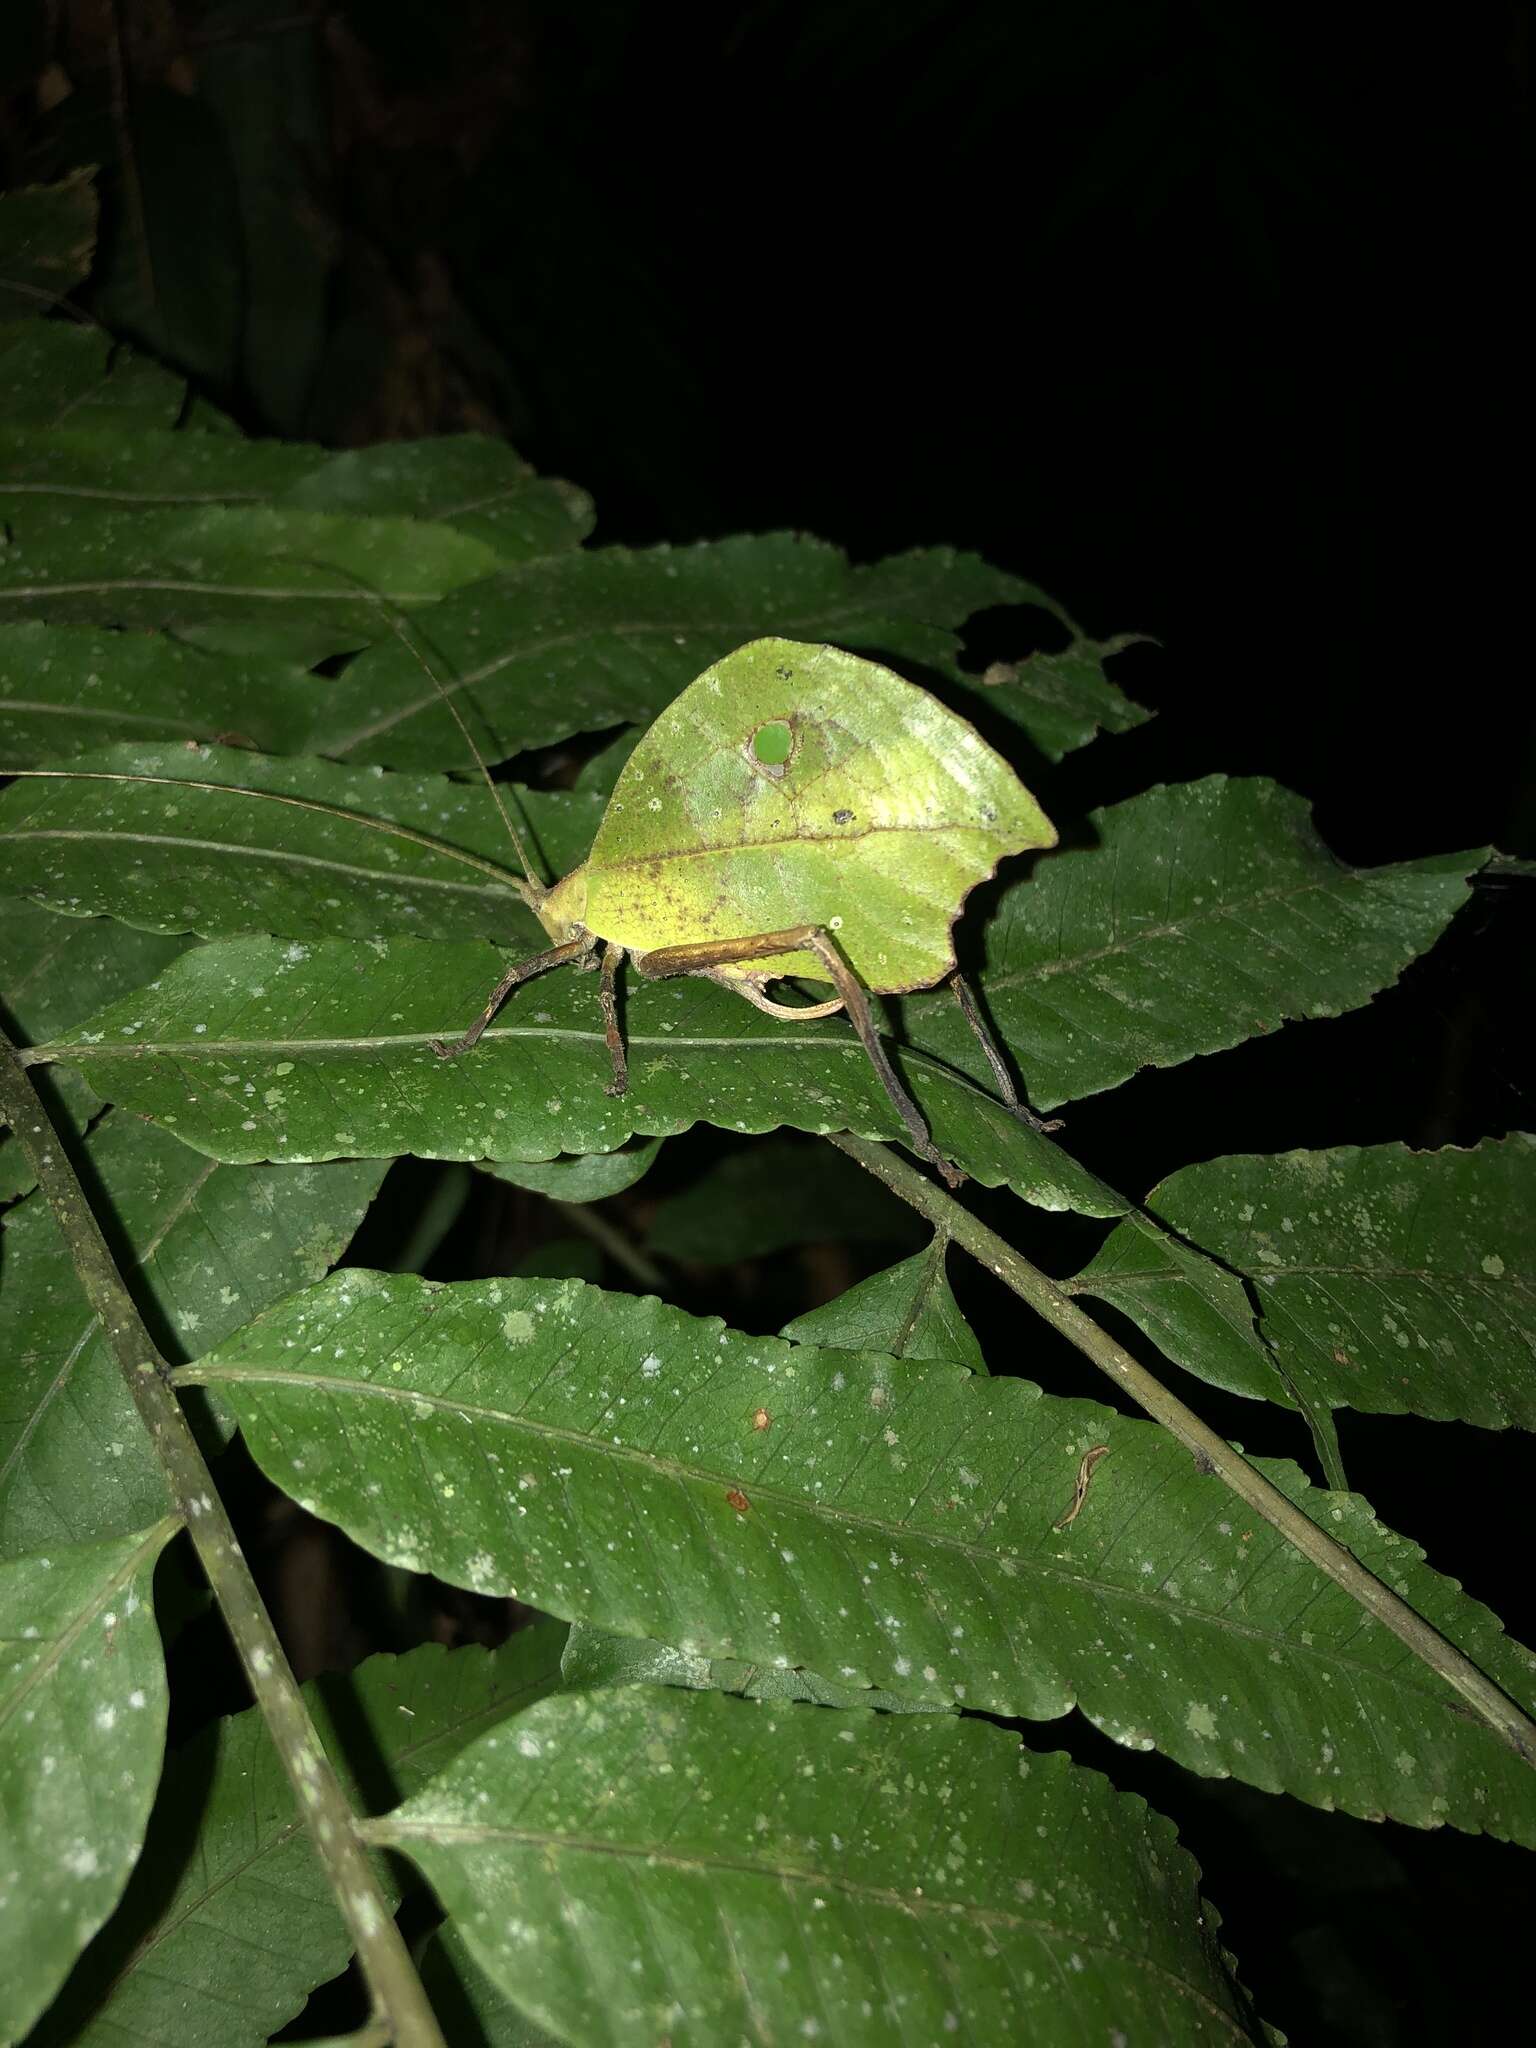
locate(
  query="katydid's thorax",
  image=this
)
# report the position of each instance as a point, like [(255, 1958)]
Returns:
[(562, 910)]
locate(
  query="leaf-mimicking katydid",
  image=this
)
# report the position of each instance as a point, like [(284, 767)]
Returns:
[(797, 811)]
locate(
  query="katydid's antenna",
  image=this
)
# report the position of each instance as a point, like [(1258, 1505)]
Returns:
[(418, 650)]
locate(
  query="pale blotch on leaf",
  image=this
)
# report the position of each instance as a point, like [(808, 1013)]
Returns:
[(517, 1326)]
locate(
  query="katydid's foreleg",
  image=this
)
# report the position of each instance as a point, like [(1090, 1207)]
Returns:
[(965, 997), (713, 953), (608, 997), (525, 970)]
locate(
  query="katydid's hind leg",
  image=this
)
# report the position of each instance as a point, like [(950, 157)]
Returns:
[(965, 997), (608, 997), (711, 954), (525, 970)]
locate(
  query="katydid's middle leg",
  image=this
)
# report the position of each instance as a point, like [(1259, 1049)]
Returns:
[(525, 970), (965, 997), (714, 953), (608, 997)]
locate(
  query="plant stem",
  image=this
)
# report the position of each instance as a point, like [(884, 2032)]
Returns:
[(1210, 1451), (396, 1990), (610, 1239)]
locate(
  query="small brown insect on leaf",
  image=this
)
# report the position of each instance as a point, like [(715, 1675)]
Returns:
[(761, 1418), (1090, 1458), (738, 1500)]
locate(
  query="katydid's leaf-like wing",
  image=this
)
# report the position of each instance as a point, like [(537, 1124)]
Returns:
[(275, 580), (228, 1924), (223, 842), (799, 784), (1392, 1281), (908, 1311), (966, 1888), (47, 240), (596, 1657), (82, 1729), (606, 636), (53, 972), (1207, 911), (205, 1246), (741, 1206), (579, 1176), (604, 1457), (278, 1049)]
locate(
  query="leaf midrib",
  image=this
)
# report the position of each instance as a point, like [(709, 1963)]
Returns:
[(1342, 877), (201, 1374), (228, 850), (914, 1904)]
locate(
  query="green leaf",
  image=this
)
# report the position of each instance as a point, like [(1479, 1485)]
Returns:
[(1060, 701), (65, 690), (268, 1048), (908, 1311), (605, 1458), (52, 371), (55, 971), (82, 1728), (270, 579), (581, 1177), (1208, 911), (206, 1247), (772, 1196), (51, 480), (106, 834), (606, 636), (965, 1888), (129, 832), (479, 486), (595, 1657), (1397, 1282), (228, 1924), (47, 241), (469, 2007)]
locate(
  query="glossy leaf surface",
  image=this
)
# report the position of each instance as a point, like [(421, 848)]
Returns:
[(609, 636), (230, 1894), (892, 1524), (595, 1657), (82, 1727), (964, 1888), (1206, 912), (205, 1246), (278, 1049), (1392, 1281), (908, 1311), (53, 972)]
